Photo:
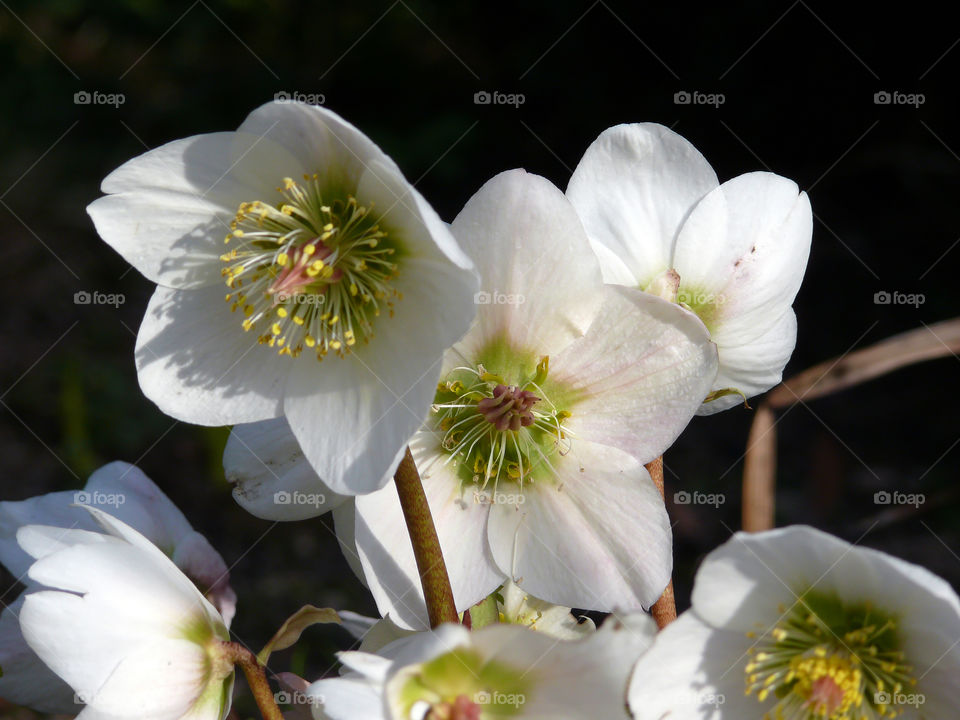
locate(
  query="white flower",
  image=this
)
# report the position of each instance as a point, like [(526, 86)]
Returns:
[(654, 210), (132, 498), (123, 626), (497, 671), (795, 623), (330, 254), (532, 461)]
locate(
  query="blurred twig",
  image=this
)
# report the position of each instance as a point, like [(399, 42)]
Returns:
[(760, 463)]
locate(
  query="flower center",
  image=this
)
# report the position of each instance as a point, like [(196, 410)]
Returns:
[(829, 661), (310, 271), (499, 431), (458, 685), (462, 708)]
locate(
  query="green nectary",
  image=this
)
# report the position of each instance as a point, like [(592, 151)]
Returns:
[(472, 404), (461, 680)]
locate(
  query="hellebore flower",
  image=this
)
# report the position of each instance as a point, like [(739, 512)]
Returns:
[(795, 623), (134, 499), (735, 253), (496, 672), (322, 251), (121, 625)]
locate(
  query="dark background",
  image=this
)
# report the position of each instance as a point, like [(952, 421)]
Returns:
[(798, 82)]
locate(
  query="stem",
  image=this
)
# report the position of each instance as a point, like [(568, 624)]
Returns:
[(426, 545), (664, 610), (256, 678), (760, 472)]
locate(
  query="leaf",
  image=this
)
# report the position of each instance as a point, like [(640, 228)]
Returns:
[(293, 627)]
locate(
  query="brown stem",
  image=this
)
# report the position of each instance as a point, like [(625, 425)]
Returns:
[(664, 610), (760, 472), (256, 678), (426, 544)]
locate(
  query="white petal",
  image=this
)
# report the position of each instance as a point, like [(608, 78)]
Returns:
[(203, 565), (643, 368), (344, 524), (78, 640), (747, 243), (272, 478), (353, 417), (121, 488), (50, 509), (371, 666), (26, 679), (158, 679), (569, 680), (754, 367), (744, 580), (198, 365), (633, 188), (318, 137), (169, 209), (575, 543), (741, 584), (538, 276), (139, 503), (39, 541), (693, 672), (387, 555), (424, 235), (121, 585), (347, 699), (424, 646)]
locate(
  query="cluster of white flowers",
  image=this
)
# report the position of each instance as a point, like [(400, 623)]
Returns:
[(535, 355)]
